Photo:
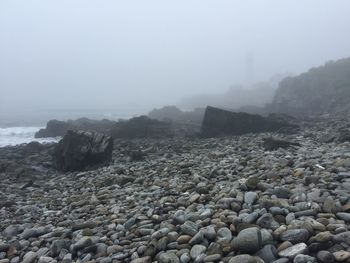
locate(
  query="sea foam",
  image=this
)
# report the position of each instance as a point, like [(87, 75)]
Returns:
[(19, 135)]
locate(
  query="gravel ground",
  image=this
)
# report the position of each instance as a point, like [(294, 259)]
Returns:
[(187, 200)]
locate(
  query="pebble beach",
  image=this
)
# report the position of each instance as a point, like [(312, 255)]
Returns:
[(183, 200)]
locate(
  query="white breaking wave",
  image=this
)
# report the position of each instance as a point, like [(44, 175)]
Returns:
[(19, 135)]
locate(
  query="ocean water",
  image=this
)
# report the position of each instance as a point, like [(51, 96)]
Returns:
[(19, 135)]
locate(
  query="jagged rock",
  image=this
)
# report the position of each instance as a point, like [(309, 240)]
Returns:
[(55, 128), (81, 149), (176, 115), (218, 122), (141, 127)]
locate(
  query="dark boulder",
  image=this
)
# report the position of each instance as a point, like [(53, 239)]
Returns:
[(272, 144), (54, 128), (141, 127), (174, 114), (82, 149), (218, 122)]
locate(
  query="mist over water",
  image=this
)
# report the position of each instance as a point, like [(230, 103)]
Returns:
[(60, 58), (174, 131)]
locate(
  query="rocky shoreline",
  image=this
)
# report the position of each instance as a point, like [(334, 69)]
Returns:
[(222, 199)]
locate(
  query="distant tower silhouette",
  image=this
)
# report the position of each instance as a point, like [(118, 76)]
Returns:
[(249, 68)]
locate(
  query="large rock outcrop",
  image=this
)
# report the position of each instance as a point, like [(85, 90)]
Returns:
[(82, 149), (55, 128), (175, 115), (321, 90), (218, 122), (141, 127)]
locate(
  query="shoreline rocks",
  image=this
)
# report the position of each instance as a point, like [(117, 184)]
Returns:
[(219, 122), (221, 199)]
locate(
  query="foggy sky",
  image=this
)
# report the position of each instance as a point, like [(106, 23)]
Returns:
[(82, 53)]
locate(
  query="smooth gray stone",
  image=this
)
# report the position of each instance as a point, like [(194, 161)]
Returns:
[(325, 256), (189, 228), (245, 258), (268, 253), (295, 235), (168, 257), (249, 240), (197, 250), (304, 259), (344, 216), (293, 251), (224, 234)]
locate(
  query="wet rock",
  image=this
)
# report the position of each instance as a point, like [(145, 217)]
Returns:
[(141, 260), (29, 257), (293, 251), (79, 149), (33, 232), (330, 205), (341, 237), (268, 253), (141, 127), (179, 217), (197, 250), (169, 257), (304, 259), (248, 240), (197, 239), (281, 192), (245, 258), (218, 122), (267, 221), (324, 256), (250, 197), (341, 255), (252, 182), (224, 234), (43, 259), (54, 128), (189, 228), (344, 216), (295, 235), (57, 246), (12, 230)]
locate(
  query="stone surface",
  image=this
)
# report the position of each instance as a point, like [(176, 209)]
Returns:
[(79, 149), (218, 122), (294, 250), (295, 235), (245, 258), (187, 200), (248, 240)]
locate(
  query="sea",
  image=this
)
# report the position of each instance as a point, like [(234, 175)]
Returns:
[(11, 136), (20, 127)]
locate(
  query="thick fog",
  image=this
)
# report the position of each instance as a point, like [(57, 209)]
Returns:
[(82, 54)]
